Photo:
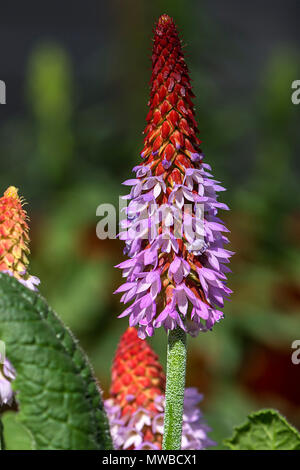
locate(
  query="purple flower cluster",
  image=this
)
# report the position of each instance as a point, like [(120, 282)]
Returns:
[(176, 271), (7, 374), (31, 282), (128, 432)]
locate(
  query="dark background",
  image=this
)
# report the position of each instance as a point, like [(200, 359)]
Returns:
[(77, 77)]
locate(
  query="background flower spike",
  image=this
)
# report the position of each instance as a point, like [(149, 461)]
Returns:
[(14, 238)]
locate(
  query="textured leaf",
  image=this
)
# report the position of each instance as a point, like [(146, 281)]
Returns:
[(16, 436), (265, 430), (59, 400), (1, 436)]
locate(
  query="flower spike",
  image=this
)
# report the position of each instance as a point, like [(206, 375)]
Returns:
[(14, 238), (136, 404), (176, 271)]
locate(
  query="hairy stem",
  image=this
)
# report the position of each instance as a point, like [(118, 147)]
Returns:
[(176, 363)]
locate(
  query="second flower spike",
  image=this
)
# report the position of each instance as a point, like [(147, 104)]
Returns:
[(137, 401)]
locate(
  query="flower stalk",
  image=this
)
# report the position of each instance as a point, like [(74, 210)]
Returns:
[(175, 274), (175, 386)]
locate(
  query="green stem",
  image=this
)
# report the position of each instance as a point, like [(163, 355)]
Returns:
[(176, 362)]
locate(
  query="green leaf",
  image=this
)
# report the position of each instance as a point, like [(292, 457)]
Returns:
[(265, 430), (59, 401), (16, 436), (1, 436)]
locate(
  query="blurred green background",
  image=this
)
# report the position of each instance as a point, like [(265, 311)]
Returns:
[(77, 80)]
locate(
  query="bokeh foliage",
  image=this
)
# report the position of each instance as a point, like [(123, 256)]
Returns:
[(70, 150)]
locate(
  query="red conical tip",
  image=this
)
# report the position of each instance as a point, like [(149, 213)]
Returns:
[(165, 26), (137, 376), (165, 19)]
